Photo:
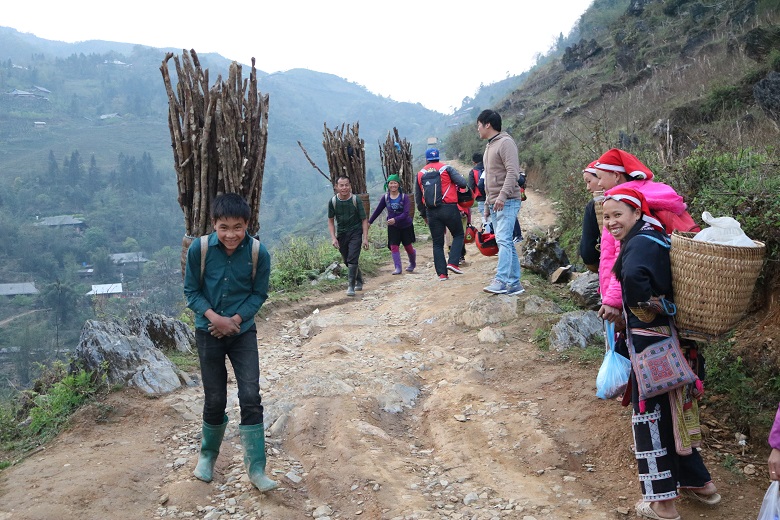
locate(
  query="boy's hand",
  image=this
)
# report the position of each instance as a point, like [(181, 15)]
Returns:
[(365, 244), (223, 326), (335, 242)]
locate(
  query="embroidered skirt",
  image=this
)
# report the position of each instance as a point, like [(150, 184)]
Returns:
[(662, 469)]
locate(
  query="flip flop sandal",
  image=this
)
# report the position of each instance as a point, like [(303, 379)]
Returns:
[(643, 509), (710, 500)]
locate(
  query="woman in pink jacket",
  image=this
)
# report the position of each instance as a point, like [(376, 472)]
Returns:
[(617, 167)]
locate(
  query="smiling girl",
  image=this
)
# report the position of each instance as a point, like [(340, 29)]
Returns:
[(620, 168), (666, 427)]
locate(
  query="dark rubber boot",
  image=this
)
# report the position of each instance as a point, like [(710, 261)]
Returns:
[(351, 279), (253, 441), (396, 261), (210, 441), (359, 279)]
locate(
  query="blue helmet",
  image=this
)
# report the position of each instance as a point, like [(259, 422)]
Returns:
[(432, 154)]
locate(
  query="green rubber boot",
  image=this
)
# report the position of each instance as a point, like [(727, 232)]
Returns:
[(253, 441), (211, 440)]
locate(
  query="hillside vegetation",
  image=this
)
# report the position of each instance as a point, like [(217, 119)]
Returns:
[(692, 89)]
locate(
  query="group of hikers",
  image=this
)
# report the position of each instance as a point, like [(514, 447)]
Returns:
[(227, 274), (496, 183)]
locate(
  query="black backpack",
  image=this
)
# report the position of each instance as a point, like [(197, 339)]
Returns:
[(477, 183), (430, 183)]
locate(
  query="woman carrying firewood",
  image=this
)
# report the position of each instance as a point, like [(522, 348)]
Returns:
[(400, 227)]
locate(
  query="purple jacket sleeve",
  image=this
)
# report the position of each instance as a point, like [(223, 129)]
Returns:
[(774, 434)]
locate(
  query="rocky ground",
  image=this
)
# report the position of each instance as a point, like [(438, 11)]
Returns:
[(417, 399)]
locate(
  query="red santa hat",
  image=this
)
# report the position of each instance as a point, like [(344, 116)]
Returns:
[(635, 199), (591, 168), (618, 161)]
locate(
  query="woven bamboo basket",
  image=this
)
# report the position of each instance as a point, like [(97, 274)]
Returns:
[(186, 241), (598, 198), (712, 283), (366, 200)]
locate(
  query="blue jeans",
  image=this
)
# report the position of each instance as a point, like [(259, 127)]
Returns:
[(241, 350), (503, 226), (446, 216)]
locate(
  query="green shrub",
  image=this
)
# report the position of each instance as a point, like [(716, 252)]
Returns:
[(742, 185), (53, 408), (751, 387), (541, 338), (773, 61), (298, 260), (722, 99), (185, 361), (9, 426), (591, 355)]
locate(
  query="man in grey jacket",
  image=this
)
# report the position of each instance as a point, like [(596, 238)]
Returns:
[(502, 202)]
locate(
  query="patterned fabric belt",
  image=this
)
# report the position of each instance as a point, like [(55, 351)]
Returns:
[(655, 476), (663, 331), (649, 454)]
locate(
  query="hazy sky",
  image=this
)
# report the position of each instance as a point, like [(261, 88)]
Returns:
[(434, 52)]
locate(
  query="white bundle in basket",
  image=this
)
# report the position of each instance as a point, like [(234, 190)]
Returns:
[(723, 230)]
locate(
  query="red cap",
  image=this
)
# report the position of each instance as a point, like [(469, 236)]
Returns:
[(619, 161), (591, 168), (635, 199)]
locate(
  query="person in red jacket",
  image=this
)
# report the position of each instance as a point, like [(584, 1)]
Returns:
[(436, 195)]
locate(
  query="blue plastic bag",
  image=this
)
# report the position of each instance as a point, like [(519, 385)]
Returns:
[(770, 507), (612, 378)]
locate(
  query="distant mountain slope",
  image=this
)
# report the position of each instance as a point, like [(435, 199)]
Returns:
[(108, 98)]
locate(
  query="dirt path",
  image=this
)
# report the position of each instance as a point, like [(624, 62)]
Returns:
[(378, 407), (6, 321)]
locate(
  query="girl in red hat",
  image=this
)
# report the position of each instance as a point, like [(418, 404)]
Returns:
[(620, 168), (666, 427), (591, 234)]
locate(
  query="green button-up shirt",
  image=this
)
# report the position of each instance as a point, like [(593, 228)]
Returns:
[(227, 286)]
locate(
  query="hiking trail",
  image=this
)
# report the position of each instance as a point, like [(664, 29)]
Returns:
[(378, 407)]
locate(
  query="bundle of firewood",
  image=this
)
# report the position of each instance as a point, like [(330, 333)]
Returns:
[(346, 155), (396, 156), (219, 136)]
